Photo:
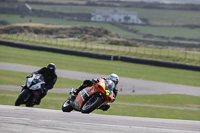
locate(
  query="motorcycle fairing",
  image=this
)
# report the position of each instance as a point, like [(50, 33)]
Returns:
[(37, 86), (35, 82), (84, 95)]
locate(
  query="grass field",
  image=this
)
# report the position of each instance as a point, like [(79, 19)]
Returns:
[(155, 16), (159, 31), (171, 32), (55, 101), (14, 19), (167, 54), (36, 58)]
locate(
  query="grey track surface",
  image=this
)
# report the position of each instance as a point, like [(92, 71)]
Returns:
[(32, 120), (126, 85)]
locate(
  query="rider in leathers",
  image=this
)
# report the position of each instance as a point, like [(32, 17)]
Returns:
[(50, 78), (87, 83)]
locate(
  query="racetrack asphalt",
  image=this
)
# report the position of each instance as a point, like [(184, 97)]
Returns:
[(34, 120), (126, 85)]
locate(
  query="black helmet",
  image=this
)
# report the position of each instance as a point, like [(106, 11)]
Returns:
[(51, 67)]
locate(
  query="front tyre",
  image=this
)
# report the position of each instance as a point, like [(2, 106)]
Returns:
[(20, 99), (91, 104), (66, 107)]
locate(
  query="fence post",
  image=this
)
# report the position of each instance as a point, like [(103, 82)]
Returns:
[(160, 51), (136, 50), (193, 56), (185, 54), (45, 40), (74, 43), (176, 54), (168, 54), (85, 44), (199, 57), (111, 57), (152, 51)]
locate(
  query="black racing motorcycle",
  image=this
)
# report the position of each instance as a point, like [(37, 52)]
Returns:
[(28, 95)]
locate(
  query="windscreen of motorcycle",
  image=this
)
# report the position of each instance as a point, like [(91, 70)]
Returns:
[(110, 85), (38, 78), (35, 81)]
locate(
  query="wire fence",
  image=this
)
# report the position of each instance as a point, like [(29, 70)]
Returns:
[(142, 51)]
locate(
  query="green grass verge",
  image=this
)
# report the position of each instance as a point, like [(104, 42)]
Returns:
[(153, 112), (131, 70), (55, 101), (165, 99)]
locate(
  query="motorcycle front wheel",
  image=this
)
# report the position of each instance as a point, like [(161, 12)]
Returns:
[(20, 99), (66, 107), (91, 104)]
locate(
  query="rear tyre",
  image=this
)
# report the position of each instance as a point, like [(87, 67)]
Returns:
[(91, 104), (66, 107)]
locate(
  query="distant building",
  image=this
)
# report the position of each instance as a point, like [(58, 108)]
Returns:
[(116, 16)]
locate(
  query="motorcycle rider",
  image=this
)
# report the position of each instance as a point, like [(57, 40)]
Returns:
[(50, 78), (87, 83)]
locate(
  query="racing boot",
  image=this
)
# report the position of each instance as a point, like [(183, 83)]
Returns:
[(105, 107)]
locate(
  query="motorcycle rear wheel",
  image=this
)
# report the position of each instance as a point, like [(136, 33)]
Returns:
[(91, 104), (66, 107)]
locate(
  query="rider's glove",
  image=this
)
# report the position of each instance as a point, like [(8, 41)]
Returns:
[(87, 82), (75, 92), (95, 80), (29, 76)]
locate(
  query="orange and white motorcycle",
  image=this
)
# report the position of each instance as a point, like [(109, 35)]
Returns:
[(90, 98)]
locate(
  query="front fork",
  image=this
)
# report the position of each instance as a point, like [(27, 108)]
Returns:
[(29, 93), (25, 94)]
